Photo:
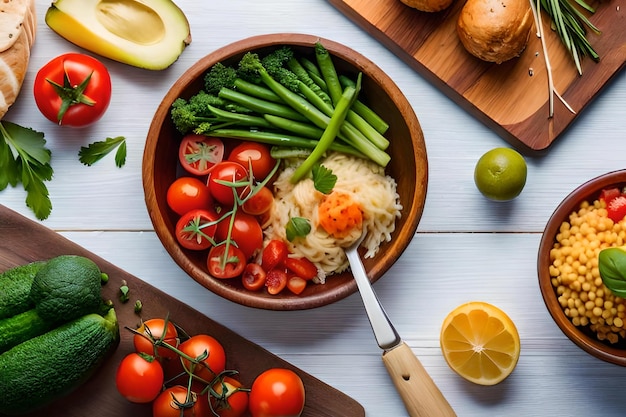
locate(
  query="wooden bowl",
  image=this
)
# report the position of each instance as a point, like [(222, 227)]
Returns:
[(580, 335), (408, 166)]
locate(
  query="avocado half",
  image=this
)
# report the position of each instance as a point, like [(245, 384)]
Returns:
[(148, 34)]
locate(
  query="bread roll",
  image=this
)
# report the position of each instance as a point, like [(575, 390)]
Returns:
[(18, 24), (495, 30), (428, 5)]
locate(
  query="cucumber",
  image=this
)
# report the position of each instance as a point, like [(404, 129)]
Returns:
[(50, 366), (15, 286), (21, 327)]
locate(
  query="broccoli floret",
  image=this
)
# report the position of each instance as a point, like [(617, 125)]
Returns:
[(276, 60), (249, 66), (274, 64), (219, 76)]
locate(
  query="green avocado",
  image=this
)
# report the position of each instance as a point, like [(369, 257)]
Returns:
[(148, 34)]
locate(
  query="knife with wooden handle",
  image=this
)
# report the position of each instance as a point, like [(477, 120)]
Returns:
[(420, 394)]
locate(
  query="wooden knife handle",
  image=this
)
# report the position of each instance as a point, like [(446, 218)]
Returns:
[(419, 393)]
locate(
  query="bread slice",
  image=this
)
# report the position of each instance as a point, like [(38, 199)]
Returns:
[(18, 26)]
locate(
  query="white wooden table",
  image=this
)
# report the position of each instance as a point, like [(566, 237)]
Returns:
[(466, 247)]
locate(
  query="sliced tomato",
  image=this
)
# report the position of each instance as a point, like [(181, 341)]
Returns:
[(199, 153), (295, 284), (276, 281), (253, 277), (195, 230), (301, 267), (616, 208), (274, 254), (609, 194), (222, 265), (259, 202)]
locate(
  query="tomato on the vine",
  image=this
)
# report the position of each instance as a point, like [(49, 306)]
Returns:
[(188, 193), (199, 153), (259, 202), (229, 398), (73, 90), (246, 232), (255, 155), (176, 402), (253, 277), (195, 229), (152, 329), (277, 392), (224, 265), (221, 181), (139, 378), (210, 350)]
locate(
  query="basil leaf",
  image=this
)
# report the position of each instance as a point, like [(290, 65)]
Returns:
[(612, 267), (297, 227)]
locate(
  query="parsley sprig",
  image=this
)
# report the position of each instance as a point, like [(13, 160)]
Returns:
[(25, 159), (95, 151)]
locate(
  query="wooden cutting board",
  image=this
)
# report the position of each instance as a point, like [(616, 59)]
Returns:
[(23, 241), (511, 98)]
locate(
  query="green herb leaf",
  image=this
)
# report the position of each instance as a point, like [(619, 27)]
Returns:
[(24, 158), (97, 150), (612, 267), (323, 179), (297, 227)]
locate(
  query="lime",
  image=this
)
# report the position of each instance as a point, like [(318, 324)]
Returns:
[(500, 174)]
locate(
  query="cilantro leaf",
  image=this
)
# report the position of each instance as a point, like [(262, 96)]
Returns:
[(91, 154), (24, 158), (297, 227), (323, 179)]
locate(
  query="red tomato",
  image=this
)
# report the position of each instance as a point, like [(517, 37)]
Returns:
[(199, 153), (73, 90), (231, 400), (256, 155), (259, 202), (246, 232), (609, 194), (222, 180), (139, 378), (274, 254), (153, 330), (188, 193), (222, 266), (277, 392), (616, 208), (295, 284), (174, 402), (195, 230), (202, 345), (253, 277), (301, 267), (276, 281)]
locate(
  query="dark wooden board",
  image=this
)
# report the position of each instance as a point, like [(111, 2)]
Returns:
[(511, 98), (23, 241)]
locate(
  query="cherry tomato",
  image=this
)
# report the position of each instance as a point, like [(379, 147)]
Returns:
[(274, 254), (153, 328), (195, 230), (277, 392), (246, 232), (256, 155), (231, 400), (222, 266), (295, 284), (173, 402), (229, 172), (258, 203), (253, 277), (609, 194), (301, 267), (616, 208), (139, 378), (199, 153), (188, 193), (87, 90), (276, 281), (204, 345)]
